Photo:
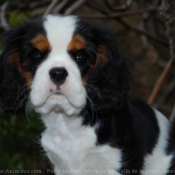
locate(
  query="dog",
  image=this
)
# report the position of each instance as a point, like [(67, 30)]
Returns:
[(73, 75)]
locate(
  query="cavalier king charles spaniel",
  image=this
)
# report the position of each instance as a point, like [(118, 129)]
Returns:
[(75, 78)]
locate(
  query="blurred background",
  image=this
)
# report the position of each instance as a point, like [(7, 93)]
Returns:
[(144, 31)]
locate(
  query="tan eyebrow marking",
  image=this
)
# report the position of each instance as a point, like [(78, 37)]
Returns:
[(77, 43), (41, 43), (101, 58)]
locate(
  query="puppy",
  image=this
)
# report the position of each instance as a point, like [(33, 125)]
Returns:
[(73, 75)]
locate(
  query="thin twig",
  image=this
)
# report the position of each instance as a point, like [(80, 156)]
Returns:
[(34, 5), (160, 82), (128, 26), (116, 8), (74, 7), (103, 11), (60, 6), (51, 6), (4, 23), (141, 26), (122, 14)]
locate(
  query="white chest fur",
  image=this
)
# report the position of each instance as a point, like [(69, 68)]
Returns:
[(72, 147)]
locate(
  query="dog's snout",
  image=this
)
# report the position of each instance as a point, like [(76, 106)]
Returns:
[(58, 75)]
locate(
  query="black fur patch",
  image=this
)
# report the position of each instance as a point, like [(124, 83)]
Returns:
[(124, 123), (13, 85)]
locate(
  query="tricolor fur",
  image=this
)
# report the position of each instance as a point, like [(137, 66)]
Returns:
[(73, 75)]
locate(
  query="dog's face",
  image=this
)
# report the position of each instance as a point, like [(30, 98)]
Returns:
[(62, 64)]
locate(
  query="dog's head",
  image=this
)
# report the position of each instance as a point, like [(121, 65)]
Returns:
[(62, 64)]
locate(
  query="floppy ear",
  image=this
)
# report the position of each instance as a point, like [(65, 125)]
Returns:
[(13, 89), (109, 83)]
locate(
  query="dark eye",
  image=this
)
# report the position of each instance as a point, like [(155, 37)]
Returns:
[(35, 56), (81, 58)]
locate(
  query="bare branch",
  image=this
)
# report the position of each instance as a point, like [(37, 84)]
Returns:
[(141, 26), (60, 6), (103, 11), (160, 82), (51, 6), (123, 14), (34, 5), (128, 26), (74, 7), (4, 23), (116, 8), (168, 14)]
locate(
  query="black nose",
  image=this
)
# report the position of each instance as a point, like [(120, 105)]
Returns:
[(58, 75)]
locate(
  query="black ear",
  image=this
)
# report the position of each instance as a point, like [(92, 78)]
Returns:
[(13, 89), (109, 83)]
